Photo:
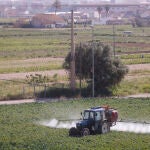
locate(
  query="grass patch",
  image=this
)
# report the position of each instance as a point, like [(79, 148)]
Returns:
[(19, 130), (133, 86), (18, 89), (136, 61), (29, 65), (58, 87), (15, 90), (135, 58)]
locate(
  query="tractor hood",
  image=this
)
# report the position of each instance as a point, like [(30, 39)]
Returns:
[(84, 124)]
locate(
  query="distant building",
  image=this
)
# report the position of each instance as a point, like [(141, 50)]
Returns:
[(116, 22), (113, 1), (47, 21)]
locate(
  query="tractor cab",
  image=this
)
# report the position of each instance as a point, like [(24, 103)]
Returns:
[(95, 115), (92, 119)]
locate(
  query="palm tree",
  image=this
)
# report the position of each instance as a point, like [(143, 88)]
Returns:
[(56, 5), (107, 8), (99, 9)]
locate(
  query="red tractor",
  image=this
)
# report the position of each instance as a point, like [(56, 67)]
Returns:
[(96, 120)]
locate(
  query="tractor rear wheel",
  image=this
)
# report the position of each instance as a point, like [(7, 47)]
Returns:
[(105, 128), (85, 132), (73, 132)]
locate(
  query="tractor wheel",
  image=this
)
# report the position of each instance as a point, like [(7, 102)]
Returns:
[(105, 128), (108, 127), (73, 132), (85, 132)]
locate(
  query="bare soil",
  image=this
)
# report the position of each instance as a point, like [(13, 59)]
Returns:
[(51, 73), (43, 59), (145, 95), (131, 77), (11, 102), (139, 67)]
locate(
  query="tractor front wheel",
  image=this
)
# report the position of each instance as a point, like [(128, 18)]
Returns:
[(85, 132), (73, 132)]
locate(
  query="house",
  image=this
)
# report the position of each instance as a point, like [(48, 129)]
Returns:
[(47, 21), (143, 20), (145, 14)]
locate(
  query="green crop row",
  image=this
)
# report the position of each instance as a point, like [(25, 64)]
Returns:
[(136, 85), (135, 56), (29, 66), (136, 61)]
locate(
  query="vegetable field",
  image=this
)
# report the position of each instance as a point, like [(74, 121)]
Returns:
[(19, 128)]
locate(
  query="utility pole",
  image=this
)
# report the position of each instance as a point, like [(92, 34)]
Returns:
[(80, 69), (72, 73), (93, 62), (114, 41)]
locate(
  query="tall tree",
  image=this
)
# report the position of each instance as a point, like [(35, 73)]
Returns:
[(108, 71), (99, 9), (107, 8), (56, 5)]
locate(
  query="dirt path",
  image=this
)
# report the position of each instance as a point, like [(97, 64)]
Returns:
[(62, 72), (145, 95), (139, 67), (134, 76), (11, 102), (51, 73)]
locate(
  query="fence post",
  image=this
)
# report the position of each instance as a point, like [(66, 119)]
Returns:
[(45, 91), (34, 90), (23, 90)]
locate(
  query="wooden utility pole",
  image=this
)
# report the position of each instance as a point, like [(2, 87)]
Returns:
[(114, 41), (93, 63), (72, 72)]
